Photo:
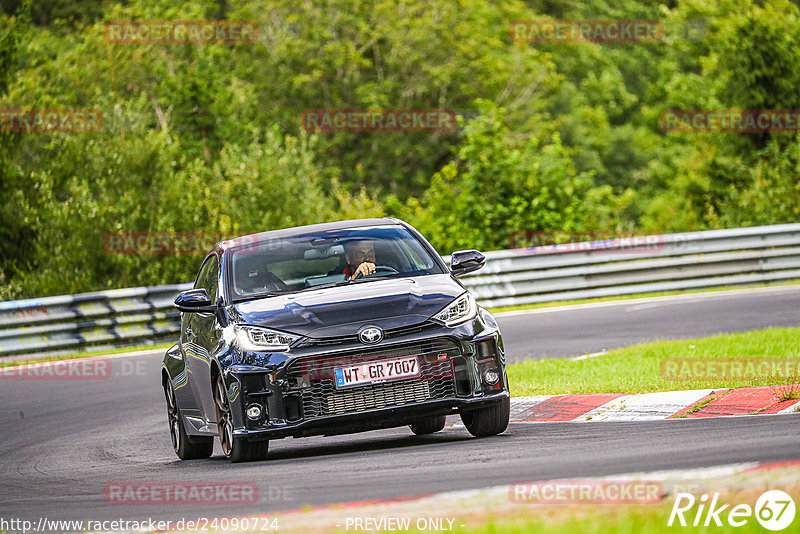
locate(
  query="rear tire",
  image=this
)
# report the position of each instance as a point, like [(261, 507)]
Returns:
[(185, 447), (235, 449), (428, 426), (488, 421)]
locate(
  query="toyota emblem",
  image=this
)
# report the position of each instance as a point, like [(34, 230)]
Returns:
[(370, 335)]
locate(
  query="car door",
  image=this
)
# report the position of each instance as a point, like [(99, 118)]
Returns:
[(189, 350), (201, 338)]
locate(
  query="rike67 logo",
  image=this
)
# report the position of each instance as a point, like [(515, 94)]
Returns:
[(774, 510)]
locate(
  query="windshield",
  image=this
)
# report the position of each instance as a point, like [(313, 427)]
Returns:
[(330, 258)]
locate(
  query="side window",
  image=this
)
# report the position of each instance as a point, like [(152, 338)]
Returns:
[(208, 278)]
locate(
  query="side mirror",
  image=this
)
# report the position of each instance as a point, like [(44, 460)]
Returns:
[(466, 261), (195, 300)]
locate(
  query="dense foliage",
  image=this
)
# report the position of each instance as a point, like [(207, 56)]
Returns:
[(208, 137)]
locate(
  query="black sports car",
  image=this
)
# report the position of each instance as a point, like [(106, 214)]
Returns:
[(330, 329)]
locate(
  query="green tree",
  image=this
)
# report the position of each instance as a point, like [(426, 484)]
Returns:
[(15, 236), (747, 60), (494, 188)]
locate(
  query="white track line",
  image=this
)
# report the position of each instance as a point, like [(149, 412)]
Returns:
[(645, 406), (587, 356), (791, 409), (699, 473)]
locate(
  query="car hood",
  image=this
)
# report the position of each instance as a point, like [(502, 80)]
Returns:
[(343, 310)]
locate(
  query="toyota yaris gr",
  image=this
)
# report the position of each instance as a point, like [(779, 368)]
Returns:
[(330, 329)]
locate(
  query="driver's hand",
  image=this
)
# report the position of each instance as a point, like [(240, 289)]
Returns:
[(365, 269)]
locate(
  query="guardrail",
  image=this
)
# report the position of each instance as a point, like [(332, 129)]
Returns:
[(741, 256), (101, 320)]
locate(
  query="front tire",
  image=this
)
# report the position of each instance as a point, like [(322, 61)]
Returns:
[(186, 448), (235, 449), (488, 421), (428, 426)]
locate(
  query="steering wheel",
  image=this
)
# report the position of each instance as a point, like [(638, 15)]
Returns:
[(379, 269)]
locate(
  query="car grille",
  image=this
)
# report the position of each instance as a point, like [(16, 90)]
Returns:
[(313, 378), (376, 397)]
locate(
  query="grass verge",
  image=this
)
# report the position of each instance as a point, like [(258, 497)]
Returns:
[(638, 369), (602, 519)]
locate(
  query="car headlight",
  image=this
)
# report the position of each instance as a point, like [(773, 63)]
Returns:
[(255, 339), (459, 311)]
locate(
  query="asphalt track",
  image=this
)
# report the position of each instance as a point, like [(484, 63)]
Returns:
[(64, 440)]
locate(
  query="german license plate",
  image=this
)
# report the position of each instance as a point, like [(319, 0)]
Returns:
[(376, 372)]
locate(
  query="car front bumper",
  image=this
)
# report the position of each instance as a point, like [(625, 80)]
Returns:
[(298, 397), (371, 419)]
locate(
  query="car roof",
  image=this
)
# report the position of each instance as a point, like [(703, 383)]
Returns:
[(301, 230)]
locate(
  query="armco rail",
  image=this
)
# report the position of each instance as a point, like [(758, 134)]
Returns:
[(106, 319), (756, 255)]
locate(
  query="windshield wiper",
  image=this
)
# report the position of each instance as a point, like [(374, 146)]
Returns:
[(373, 277), (257, 296), (329, 284), (346, 281)]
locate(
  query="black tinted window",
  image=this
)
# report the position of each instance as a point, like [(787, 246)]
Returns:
[(306, 261), (208, 278)]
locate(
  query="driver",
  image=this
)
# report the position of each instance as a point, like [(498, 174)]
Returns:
[(360, 258)]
